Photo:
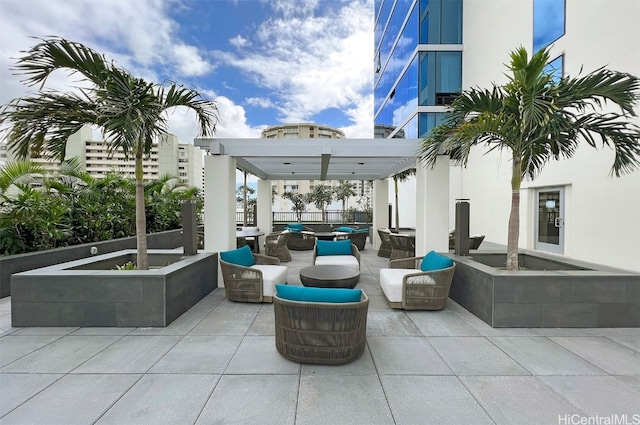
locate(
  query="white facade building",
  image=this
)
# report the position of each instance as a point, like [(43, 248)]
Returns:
[(168, 157)]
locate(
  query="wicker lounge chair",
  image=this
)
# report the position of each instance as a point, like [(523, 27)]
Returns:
[(302, 237), (343, 259), (385, 243), (402, 246), (320, 332), (406, 286), (475, 241), (254, 284), (275, 245)]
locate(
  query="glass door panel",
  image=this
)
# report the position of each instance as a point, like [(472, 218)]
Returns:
[(550, 223)]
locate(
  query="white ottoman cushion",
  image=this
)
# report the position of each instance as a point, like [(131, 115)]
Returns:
[(339, 260), (270, 276)]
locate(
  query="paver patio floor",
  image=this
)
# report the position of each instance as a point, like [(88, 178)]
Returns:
[(217, 364)]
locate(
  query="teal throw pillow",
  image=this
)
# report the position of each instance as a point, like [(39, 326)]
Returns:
[(295, 227), (345, 229), (341, 247), (241, 256), (435, 261), (319, 295)]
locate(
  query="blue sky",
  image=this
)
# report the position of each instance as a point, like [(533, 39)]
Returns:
[(264, 62)]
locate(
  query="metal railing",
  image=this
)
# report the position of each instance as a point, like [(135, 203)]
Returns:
[(332, 216)]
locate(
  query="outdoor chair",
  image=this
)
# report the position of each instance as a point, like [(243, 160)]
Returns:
[(418, 283), (402, 246), (385, 243), (357, 236), (320, 325), (250, 277), (301, 238), (474, 241), (341, 252), (275, 245)]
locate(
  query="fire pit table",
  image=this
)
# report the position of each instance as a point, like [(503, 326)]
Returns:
[(329, 276)]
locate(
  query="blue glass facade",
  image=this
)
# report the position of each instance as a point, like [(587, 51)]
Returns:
[(411, 72), (549, 23), (556, 68), (549, 20)]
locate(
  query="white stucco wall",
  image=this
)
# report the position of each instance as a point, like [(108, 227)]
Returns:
[(602, 216)]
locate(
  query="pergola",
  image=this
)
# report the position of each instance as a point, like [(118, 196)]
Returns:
[(321, 159)]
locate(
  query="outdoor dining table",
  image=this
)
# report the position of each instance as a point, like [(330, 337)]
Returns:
[(251, 234)]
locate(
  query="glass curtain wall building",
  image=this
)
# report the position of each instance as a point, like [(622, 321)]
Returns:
[(418, 63)]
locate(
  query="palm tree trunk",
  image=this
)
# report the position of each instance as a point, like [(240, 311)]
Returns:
[(514, 216), (141, 223), (395, 187)]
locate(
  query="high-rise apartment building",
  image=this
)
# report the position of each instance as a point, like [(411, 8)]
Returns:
[(307, 131), (427, 51), (167, 157)]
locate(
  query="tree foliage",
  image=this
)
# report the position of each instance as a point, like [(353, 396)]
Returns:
[(343, 192), (299, 202), (321, 196), (130, 111), (39, 211)]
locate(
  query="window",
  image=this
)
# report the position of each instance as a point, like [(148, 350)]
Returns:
[(440, 21), (428, 121), (548, 22), (440, 77), (556, 68)]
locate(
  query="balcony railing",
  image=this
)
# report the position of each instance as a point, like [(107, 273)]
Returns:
[(332, 216)]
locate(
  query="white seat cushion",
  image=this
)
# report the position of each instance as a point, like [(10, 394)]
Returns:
[(391, 282), (340, 260), (270, 276)]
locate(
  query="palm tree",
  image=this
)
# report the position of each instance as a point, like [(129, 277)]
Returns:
[(343, 192), (130, 111), (400, 177), (299, 203), (537, 119), (321, 196)]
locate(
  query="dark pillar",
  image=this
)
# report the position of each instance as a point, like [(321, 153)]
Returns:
[(462, 227), (189, 227)]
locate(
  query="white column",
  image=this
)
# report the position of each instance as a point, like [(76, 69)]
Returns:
[(219, 203), (432, 207), (265, 217), (380, 209)]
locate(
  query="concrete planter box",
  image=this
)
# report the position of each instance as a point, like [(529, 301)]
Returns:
[(553, 292), (89, 293), (11, 264)]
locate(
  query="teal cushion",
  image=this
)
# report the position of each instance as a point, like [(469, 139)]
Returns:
[(295, 227), (319, 295), (365, 230), (241, 256), (342, 247), (345, 229), (435, 261)]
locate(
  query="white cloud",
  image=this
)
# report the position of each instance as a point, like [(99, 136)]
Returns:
[(308, 62), (189, 62), (261, 102), (314, 62), (239, 41), (138, 35)]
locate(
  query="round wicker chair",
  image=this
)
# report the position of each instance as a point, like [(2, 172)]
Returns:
[(321, 333)]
